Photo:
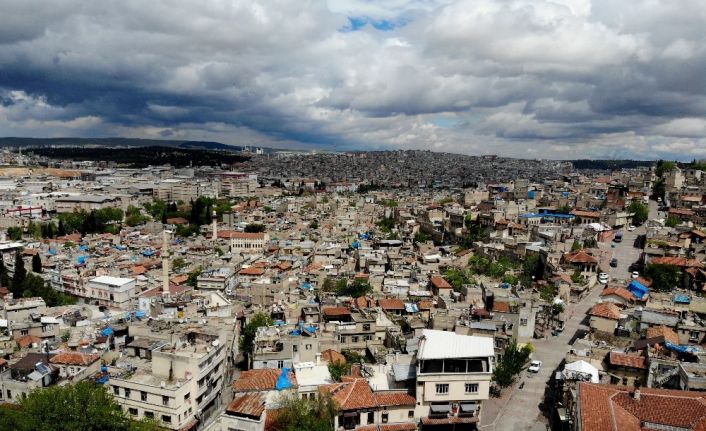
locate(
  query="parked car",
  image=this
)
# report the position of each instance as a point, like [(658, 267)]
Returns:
[(535, 366), (631, 228), (614, 262)]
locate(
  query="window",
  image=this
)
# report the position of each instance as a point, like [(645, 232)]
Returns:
[(116, 390), (384, 418), (366, 326), (442, 388), (165, 400), (371, 417), (694, 336), (143, 395), (343, 339), (127, 393), (410, 414), (24, 332), (280, 364), (166, 419), (354, 339), (308, 347), (187, 396), (9, 394), (132, 411), (523, 322), (471, 388), (294, 348), (149, 415)]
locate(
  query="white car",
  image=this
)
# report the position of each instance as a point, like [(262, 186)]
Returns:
[(534, 366), (635, 275), (603, 278), (631, 228)]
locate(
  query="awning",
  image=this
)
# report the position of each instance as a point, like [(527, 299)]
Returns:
[(441, 408)]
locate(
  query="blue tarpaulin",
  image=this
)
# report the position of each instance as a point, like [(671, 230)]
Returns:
[(531, 194), (283, 381), (295, 332), (81, 260), (638, 289), (363, 236), (355, 244), (120, 247), (682, 348), (682, 299), (280, 323), (306, 285), (52, 251), (148, 252), (83, 248), (107, 332), (565, 194)]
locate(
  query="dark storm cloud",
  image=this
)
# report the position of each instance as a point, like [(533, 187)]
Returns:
[(560, 78)]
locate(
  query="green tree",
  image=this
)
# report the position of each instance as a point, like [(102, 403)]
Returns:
[(563, 209), (513, 361), (421, 237), (36, 263), (179, 263), (355, 289), (671, 221), (338, 369), (84, 406), (297, 414), (576, 245), (14, 233), (532, 269), (192, 279), (329, 285), (254, 228), (19, 275), (4, 277), (247, 334), (664, 277), (456, 278), (664, 166), (640, 212)]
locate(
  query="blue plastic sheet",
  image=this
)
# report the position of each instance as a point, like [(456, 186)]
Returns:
[(638, 289), (107, 332), (283, 381)]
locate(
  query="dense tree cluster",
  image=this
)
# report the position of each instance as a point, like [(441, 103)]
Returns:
[(512, 363)]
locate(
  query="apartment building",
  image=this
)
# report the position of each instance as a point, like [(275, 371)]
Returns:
[(238, 184), (111, 291), (453, 378), (245, 242), (171, 381), (68, 204)]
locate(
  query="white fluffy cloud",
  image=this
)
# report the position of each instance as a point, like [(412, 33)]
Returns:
[(538, 78)]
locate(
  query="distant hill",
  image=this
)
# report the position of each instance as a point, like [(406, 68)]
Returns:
[(113, 143), (142, 156), (610, 165)]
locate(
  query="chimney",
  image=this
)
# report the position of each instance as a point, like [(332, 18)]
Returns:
[(165, 262), (636, 395), (213, 224)]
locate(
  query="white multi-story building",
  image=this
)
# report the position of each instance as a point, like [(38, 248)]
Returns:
[(238, 184), (112, 291), (245, 242), (453, 378), (171, 381)]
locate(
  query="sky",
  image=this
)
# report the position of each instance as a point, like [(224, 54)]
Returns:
[(560, 79)]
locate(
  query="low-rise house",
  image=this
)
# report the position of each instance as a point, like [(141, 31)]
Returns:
[(627, 369), (605, 317)]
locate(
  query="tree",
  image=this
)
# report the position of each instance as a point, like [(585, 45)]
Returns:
[(192, 279), (15, 233), (532, 268), (511, 364), (296, 414), (179, 263), (36, 263), (421, 237), (576, 245), (84, 406), (338, 369), (640, 212), (4, 277), (355, 289), (254, 228), (664, 277), (563, 209), (20, 274), (329, 285), (247, 334), (671, 221)]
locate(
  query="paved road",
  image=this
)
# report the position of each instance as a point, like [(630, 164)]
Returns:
[(523, 411)]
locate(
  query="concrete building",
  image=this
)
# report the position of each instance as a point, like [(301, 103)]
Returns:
[(110, 291)]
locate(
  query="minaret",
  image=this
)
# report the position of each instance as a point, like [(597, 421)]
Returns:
[(213, 224), (165, 262)]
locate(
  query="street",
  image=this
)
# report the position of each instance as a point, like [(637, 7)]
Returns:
[(524, 409)]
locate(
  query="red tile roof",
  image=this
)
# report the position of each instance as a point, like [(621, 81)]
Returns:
[(409, 426), (394, 399), (619, 359), (606, 310), (663, 331), (251, 405), (678, 261), (251, 271), (259, 380), (352, 395), (501, 307), (336, 311), (587, 214), (391, 304), (425, 305), (609, 408), (618, 291), (579, 256), (440, 283), (27, 341), (74, 358), (330, 355)]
